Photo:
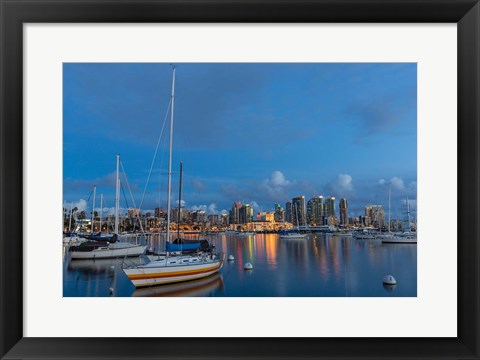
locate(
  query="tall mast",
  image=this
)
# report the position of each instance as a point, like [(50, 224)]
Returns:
[(389, 195), (408, 214), (179, 200), (70, 218), (93, 208), (117, 195), (101, 212), (170, 157)]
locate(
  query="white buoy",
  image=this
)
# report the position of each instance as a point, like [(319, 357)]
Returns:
[(231, 258), (112, 267), (248, 266), (389, 280)]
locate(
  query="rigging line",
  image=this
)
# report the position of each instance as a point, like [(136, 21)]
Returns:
[(131, 195), (156, 150), (91, 192), (124, 196)]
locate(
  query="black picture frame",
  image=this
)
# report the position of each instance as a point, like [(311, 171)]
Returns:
[(14, 13)]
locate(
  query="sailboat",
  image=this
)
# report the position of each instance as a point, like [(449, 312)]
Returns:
[(174, 267), (293, 234), (407, 237), (102, 247)]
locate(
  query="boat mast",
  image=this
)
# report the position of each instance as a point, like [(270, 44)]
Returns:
[(389, 195), (93, 209), (170, 156), (179, 200), (408, 215), (117, 196), (70, 218), (101, 212)]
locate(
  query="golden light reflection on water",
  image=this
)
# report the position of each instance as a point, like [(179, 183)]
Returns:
[(319, 265)]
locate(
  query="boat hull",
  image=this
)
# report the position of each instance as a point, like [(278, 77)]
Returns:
[(294, 236), (399, 241), (106, 253), (159, 275)]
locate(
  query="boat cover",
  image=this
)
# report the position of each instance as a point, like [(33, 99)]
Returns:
[(186, 245)]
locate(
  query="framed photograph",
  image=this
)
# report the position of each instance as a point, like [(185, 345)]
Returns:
[(313, 145)]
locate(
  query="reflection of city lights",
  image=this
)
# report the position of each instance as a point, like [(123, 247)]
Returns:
[(271, 244)]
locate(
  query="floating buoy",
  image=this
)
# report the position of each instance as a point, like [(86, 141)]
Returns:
[(389, 280), (248, 266), (231, 258)]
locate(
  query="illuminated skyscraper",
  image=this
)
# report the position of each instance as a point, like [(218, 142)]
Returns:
[(329, 207), (315, 210), (288, 211), (235, 213), (298, 210), (246, 214), (343, 211)]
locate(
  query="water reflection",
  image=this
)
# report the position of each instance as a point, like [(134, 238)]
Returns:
[(202, 287), (319, 265)]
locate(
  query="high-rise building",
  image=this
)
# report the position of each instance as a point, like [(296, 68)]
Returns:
[(279, 213), (245, 214), (235, 213), (288, 212), (376, 213), (329, 207), (343, 212), (298, 210), (315, 210)]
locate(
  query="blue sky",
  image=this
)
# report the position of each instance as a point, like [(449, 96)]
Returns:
[(257, 133)]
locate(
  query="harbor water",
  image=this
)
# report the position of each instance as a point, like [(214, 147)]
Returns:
[(321, 265)]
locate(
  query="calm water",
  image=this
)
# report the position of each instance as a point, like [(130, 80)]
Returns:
[(321, 265)]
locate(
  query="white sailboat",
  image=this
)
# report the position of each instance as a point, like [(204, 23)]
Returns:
[(407, 237), (174, 268), (103, 247)]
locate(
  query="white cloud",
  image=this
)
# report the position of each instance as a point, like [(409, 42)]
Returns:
[(81, 205), (277, 179), (340, 186), (397, 183), (183, 203), (212, 209), (274, 186), (344, 182), (209, 209)]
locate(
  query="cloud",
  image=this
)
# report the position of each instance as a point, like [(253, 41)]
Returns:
[(212, 209), (341, 185), (276, 185), (81, 205), (209, 209), (183, 203), (277, 179), (396, 183)]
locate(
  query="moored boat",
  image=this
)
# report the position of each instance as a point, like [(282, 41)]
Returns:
[(200, 262), (104, 247)]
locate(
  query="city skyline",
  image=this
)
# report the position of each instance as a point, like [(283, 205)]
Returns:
[(257, 133)]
